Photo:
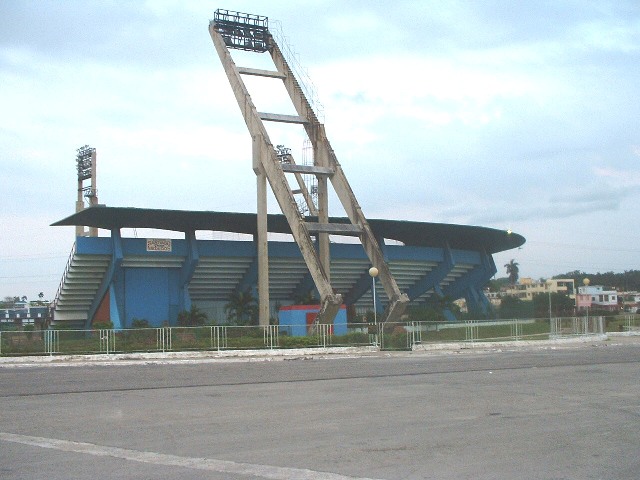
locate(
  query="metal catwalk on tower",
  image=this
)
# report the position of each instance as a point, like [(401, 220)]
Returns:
[(86, 163), (249, 32)]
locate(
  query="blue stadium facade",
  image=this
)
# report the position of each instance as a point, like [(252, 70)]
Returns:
[(121, 279)]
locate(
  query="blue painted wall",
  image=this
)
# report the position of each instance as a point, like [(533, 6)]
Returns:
[(157, 293), (151, 294), (293, 320)]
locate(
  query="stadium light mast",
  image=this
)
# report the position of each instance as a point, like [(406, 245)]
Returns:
[(86, 167), (248, 32)]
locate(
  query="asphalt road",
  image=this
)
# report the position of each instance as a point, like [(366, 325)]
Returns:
[(569, 413)]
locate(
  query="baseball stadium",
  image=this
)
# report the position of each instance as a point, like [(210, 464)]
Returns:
[(339, 263)]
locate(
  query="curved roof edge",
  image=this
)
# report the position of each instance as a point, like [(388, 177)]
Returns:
[(412, 233)]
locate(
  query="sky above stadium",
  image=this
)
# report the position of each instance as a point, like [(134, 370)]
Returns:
[(510, 115)]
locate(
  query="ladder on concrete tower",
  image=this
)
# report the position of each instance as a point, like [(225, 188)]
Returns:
[(249, 32)]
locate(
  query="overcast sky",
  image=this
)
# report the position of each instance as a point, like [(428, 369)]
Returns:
[(520, 115)]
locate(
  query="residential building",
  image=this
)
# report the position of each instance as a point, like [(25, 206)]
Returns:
[(596, 297), (630, 301), (527, 288), (24, 315)]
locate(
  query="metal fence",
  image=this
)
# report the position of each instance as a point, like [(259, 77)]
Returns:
[(387, 336)]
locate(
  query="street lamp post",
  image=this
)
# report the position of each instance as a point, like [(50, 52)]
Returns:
[(373, 271)]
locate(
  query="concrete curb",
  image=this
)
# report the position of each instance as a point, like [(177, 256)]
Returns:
[(183, 357)]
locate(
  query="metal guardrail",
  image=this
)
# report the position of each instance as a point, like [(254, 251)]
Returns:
[(386, 336), (293, 59), (64, 276), (632, 323)]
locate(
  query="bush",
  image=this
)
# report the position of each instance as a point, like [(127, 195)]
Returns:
[(102, 325), (192, 318), (140, 323)]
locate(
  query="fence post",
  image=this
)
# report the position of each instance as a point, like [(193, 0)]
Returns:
[(373, 337), (107, 340), (270, 336), (628, 323), (516, 329), (414, 336), (212, 343), (51, 341), (601, 326), (471, 330), (163, 338), (553, 329)]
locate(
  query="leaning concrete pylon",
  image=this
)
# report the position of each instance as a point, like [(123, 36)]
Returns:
[(249, 32)]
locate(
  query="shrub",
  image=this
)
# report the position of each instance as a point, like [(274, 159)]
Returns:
[(102, 325), (140, 323), (192, 318)]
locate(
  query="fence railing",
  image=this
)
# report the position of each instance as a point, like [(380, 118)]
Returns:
[(387, 336)]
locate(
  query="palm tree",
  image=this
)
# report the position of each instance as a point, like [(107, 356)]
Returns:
[(512, 271), (242, 308)]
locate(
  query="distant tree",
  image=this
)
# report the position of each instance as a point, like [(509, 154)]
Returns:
[(8, 302), (496, 284), (513, 271), (561, 305), (513, 307), (629, 280), (41, 300), (24, 298), (242, 308)]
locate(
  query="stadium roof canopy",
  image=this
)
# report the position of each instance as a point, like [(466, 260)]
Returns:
[(408, 232)]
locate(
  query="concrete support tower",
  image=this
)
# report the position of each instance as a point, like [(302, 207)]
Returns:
[(251, 33), (86, 166)]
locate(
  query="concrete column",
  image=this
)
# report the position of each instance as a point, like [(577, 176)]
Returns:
[(321, 159), (80, 231), (93, 231), (323, 217), (261, 240)]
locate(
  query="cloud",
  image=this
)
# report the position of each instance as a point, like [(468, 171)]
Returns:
[(622, 178), (461, 112)]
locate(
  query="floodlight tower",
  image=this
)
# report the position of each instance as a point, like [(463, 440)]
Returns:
[(86, 166), (249, 32)]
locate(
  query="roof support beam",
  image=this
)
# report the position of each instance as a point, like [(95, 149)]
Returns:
[(188, 268), (435, 276), (307, 169), (479, 275), (279, 117), (260, 73), (334, 228)]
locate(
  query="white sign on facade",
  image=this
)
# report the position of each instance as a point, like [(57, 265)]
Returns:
[(158, 244)]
